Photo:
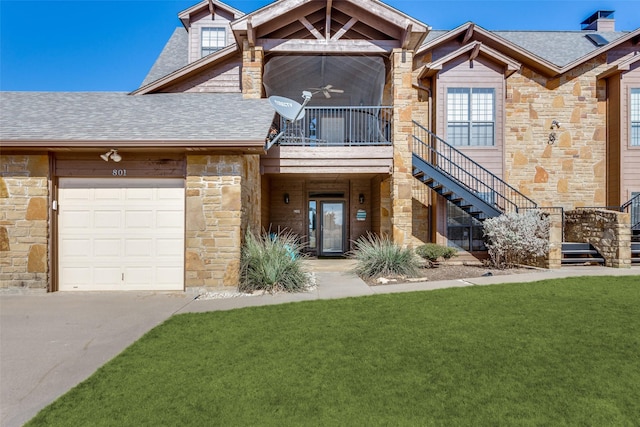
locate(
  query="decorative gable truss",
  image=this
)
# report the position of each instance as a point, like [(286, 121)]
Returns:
[(345, 26), (473, 50)]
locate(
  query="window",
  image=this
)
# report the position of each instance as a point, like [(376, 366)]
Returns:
[(635, 117), (471, 116), (213, 39)]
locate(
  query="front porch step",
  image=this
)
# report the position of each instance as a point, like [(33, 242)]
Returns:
[(580, 253)]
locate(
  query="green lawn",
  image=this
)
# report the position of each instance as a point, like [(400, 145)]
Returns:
[(558, 352)]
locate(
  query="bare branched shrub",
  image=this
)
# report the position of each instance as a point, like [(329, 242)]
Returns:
[(516, 238)]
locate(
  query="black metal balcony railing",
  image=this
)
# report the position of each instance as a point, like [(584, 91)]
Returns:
[(473, 178), (339, 126)]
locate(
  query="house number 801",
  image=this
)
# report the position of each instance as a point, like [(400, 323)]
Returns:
[(119, 172)]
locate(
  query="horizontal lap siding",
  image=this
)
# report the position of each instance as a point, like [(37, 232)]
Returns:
[(630, 156), (479, 73), (224, 78)]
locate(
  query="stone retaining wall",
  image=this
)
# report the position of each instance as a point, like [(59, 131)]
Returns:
[(608, 231)]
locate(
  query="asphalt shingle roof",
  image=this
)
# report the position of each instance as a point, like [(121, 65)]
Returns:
[(558, 47), (174, 56), (117, 116)]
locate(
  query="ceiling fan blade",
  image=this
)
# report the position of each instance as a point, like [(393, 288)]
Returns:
[(336, 90), (326, 94)]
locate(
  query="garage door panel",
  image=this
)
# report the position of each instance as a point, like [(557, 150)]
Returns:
[(169, 247), (110, 275), (76, 219), (139, 275), (139, 219), (168, 275), (140, 193), (169, 219), (103, 248), (139, 248), (107, 219), (107, 194), (76, 247), (121, 234)]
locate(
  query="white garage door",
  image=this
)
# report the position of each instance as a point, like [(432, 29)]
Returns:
[(121, 234)]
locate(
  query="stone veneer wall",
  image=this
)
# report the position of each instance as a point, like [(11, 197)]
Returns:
[(24, 221), (571, 172), (608, 231), (214, 220), (404, 97), (252, 68)]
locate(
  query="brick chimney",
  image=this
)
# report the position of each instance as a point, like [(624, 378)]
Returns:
[(602, 21)]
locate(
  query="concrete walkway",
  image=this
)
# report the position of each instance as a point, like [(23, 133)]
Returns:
[(51, 342)]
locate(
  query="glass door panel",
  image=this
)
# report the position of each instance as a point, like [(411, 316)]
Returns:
[(332, 228)]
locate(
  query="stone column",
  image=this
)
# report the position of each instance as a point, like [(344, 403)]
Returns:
[(213, 221), (402, 179), (554, 259), (252, 68), (24, 221)]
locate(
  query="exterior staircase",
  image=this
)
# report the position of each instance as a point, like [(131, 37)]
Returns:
[(580, 254), (461, 180)]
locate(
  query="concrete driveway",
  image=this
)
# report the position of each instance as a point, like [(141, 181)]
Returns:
[(51, 342)]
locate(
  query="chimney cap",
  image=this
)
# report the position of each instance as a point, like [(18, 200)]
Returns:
[(591, 22)]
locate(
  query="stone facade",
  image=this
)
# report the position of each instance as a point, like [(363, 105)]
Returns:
[(404, 97), (252, 71), (608, 231), (24, 221), (570, 171), (214, 218)]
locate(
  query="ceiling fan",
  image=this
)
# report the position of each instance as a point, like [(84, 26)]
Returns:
[(326, 90)]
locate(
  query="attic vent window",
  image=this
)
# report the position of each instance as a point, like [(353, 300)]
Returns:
[(597, 39)]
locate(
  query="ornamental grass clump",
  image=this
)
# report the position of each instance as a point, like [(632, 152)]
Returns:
[(379, 257), (517, 238), (272, 263)]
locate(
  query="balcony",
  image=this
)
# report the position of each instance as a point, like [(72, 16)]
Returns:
[(339, 126), (334, 140)]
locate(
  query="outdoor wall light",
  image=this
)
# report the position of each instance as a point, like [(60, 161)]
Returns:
[(552, 136), (111, 154), (361, 198), (286, 198)]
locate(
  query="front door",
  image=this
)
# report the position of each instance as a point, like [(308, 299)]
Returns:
[(332, 231)]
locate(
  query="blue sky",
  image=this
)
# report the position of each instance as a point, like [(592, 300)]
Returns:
[(87, 45)]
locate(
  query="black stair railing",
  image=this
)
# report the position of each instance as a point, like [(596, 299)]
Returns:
[(477, 179), (633, 206)]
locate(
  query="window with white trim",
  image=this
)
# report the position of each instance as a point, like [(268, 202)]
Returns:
[(471, 116), (213, 39), (635, 117)]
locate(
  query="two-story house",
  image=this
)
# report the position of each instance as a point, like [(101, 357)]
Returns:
[(397, 129)]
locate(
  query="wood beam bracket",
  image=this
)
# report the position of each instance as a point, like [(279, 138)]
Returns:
[(212, 10), (468, 34)]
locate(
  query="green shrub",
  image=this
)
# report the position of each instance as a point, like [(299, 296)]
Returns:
[(432, 252), (272, 262), (379, 257)]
